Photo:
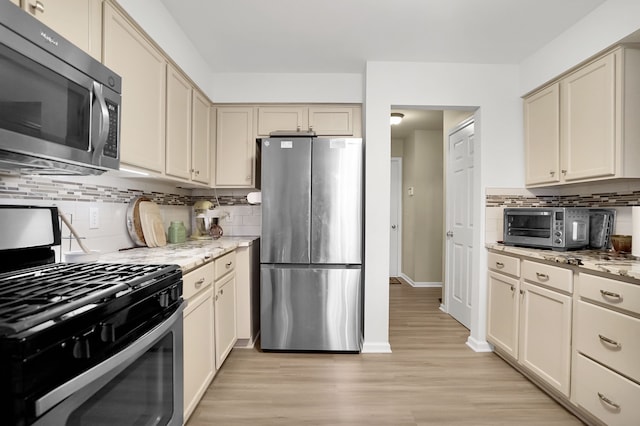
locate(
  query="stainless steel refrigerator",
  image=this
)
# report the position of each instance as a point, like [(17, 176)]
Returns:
[(311, 245)]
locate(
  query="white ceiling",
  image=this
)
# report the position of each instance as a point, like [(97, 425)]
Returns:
[(416, 119), (339, 36)]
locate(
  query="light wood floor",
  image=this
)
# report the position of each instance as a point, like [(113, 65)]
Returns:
[(431, 378)]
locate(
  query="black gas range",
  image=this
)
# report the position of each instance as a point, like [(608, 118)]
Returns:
[(63, 324)]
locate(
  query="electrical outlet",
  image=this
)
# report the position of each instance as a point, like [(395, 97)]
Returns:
[(94, 218)]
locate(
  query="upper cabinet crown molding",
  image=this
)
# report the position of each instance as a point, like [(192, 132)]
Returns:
[(583, 127)]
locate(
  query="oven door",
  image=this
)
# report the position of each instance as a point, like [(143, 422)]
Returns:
[(141, 385), (526, 227)]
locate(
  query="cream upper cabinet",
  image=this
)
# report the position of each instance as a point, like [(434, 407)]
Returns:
[(235, 147), (596, 120), (324, 120), (272, 118), (200, 139), (179, 109), (542, 136), (143, 71), (79, 21)]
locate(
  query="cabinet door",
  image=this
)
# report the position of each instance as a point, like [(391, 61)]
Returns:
[(16, 2), (331, 121), (200, 146), (179, 105), (198, 348), (502, 313), (542, 136), (589, 131), (225, 321), (143, 72), (545, 335), (76, 20), (271, 119), (235, 147)]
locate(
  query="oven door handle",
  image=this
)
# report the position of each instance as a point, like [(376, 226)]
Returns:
[(111, 366)]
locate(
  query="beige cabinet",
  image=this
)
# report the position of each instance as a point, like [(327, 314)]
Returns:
[(235, 148), (79, 21), (225, 307), (198, 342), (179, 112), (200, 139), (143, 70), (248, 294), (503, 302), (596, 122), (16, 2), (324, 120)]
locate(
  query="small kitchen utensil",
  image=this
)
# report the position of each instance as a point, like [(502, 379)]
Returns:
[(134, 226), (215, 230), (73, 232), (621, 243), (152, 224)]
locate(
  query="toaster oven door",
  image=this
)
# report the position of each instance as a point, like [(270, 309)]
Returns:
[(528, 228)]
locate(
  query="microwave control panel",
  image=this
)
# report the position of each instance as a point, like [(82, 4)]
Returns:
[(111, 146)]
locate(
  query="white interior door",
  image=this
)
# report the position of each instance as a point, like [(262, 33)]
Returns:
[(396, 217), (460, 222)]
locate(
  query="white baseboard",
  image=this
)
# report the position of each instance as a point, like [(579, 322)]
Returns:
[(443, 308), (376, 348), (479, 345), (419, 284)]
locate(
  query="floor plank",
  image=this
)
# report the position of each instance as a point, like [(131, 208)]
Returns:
[(431, 378)]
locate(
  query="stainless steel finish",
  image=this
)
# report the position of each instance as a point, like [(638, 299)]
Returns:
[(610, 341), (336, 199), (557, 228), (102, 125), (608, 401), (499, 265), (81, 387), (541, 276), (24, 227), (310, 308), (393, 226), (449, 234), (606, 293), (286, 200), (601, 223)]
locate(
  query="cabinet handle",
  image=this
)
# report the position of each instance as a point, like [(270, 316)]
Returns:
[(521, 292), (564, 172), (216, 297), (199, 282), (542, 277), (221, 291), (552, 172), (608, 401), (228, 265), (37, 7), (512, 289), (610, 341), (606, 293), (499, 265)]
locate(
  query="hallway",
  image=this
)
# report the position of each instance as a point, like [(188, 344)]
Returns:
[(431, 378)]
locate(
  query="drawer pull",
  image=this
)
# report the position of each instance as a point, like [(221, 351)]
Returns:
[(199, 282), (542, 277), (610, 341), (608, 401), (499, 265), (512, 289), (228, 265), (606, 293)]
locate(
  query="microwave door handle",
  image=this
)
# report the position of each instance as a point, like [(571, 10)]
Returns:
[(103, 124), (530, 213)]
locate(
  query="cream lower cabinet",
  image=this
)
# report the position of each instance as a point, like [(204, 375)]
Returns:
[(529, 319), (248, 294), (199, 351), (79, 21), (143, 70), (225, 306), (607, 349)]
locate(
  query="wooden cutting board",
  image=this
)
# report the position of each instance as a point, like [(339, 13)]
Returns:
[(152, 224)]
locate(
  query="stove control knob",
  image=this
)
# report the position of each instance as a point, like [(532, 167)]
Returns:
[(81, 348), (163, 298), (175, 295), (107, 333)]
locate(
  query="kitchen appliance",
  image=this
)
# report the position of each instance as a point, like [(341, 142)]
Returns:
[(311, 245), (84, 343), (601, 222), (202, 219), (60, 108), (556, 228)]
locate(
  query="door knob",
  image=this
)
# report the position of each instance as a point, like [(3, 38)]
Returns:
[(393, 227), (449, 234)]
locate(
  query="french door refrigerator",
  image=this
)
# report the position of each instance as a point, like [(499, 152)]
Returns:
[(311, 245)]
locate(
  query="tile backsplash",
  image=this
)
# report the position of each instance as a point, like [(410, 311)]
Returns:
[(498, 198), (110, 195)]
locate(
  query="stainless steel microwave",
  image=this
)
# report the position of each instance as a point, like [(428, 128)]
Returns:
[(556, 228), (59, 107)]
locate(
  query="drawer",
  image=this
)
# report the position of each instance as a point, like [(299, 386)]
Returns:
[(605, 394), (610, 292), (547, 275), (225, 264), (197, 280), (609, 337), (504, 264)]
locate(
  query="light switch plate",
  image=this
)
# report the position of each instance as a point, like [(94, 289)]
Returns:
[(94, 218)]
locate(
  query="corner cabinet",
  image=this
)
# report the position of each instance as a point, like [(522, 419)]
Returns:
[(235, 148), (225, 306), (143, 71), (584, 126), (79, 21), (324, 120), (198, 325)]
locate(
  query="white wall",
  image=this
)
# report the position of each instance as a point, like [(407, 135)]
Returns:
[(602, 28), (498, 155)]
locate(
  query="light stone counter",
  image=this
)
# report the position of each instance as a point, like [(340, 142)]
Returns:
[(188, 255), (608, 262)]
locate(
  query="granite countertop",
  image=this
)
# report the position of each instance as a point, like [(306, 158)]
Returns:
[(188, 255), (610, 262)]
